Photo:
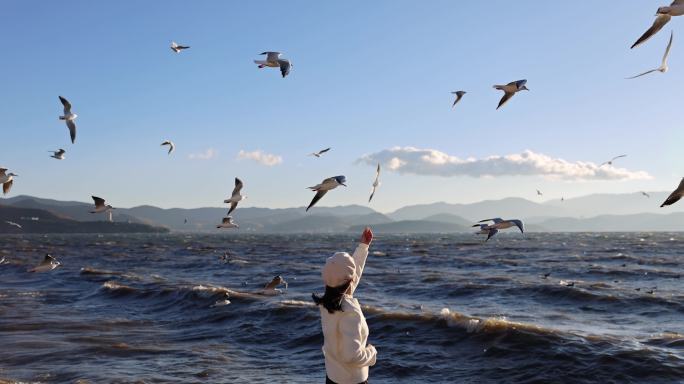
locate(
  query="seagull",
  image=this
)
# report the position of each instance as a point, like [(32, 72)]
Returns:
[(100, 205), (6, 180), (610, 162), (49, 263), (510, 89), (12, 223), (323, 188), (270, 288), (663, 66), (319, 153), (645, 194), (69, 118), (663, 16), (177, 48), (485, 229), (539, 193), (236, 196), (376, 183), (676, 195), (503, 224), (273, 60), (459, 96), (228, 223), (59, 155), (171, 145)]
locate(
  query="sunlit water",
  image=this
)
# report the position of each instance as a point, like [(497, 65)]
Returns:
[(440, 308)]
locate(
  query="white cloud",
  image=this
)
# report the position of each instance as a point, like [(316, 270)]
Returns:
[(416, 161), (209, 154), (260, 157)]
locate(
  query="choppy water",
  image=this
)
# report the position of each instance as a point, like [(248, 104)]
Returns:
[(442, 308)]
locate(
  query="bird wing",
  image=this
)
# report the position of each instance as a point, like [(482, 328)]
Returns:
[(323, 151), (518, 224), (233, 205), (99, 202), (492, 232), (66, 104), (617, 157), (72, 130), (495, 220), (677, 2), (318, 196), (667, 50), (238, 187), (284, 67), (641, 74), (658, 24), (507, 96), (7, 186), (272, 56), (673, 198), (372, 194), (377, 172)]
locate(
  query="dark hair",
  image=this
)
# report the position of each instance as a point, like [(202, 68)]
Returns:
[(332, 298)]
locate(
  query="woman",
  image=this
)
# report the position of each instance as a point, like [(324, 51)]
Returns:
[(345, 332)]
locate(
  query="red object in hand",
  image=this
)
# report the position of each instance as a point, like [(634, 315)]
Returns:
[(367, 236)]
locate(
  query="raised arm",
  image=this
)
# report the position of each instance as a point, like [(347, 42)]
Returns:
[(360, 255)]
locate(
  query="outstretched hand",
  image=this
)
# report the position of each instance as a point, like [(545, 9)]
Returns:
[(367, 236)]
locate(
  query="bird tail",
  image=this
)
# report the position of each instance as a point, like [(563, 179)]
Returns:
[(62, 118), (498, 87)]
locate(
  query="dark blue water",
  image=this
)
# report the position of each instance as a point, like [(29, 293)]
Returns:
[(441, 309)]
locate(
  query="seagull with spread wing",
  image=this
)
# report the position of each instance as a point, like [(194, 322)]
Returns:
[(319, 153), (325, 186), (69, 118), (59, 155), (273, 60), (6, 180), (48, 264), (100, 205), (663, 16), (171, 145), (499, 223), (236, 197), (510, 90), (376, 183), (177, 48), (610, 162), (663, 66), (228, 222), (459, 96)]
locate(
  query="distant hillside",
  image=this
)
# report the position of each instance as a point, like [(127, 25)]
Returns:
[(643, 222), (414, 226), (41, 221)]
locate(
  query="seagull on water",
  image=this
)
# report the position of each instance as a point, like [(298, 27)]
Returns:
[(12, 223), (459, 96), (171, 145), (323, 188), (645, 194), (376, 183), (228, 222), (610, 162), (48, 264), (273, 60), (177, 48), (59, 155), (510, 89), (485, 229), (663, 66), (663, 16), (69, 118), (271, 289), (499, 223), (676, 195), (236, 196), (6, 180), (319, 153), (100, 205)]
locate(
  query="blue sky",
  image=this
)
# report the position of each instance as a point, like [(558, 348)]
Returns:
[(367, 76)]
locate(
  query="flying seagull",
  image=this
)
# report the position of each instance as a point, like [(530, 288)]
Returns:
[(663, 66), (271, 289), (663, 16), (69, 118), (459, 96), (12, 223), (177, 48), (49, 263), (228, 223), (319, 153), (510, 89), (236, 196), (645, 194), (485, 229), (503, 224), (6, 180), (539, 193), (171, 145), (610, 162), (59, 155), (376, 183), (676, 195), (323, 188), (100, 205), (273, 60)]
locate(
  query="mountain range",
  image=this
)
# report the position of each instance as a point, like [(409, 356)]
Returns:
[(598, 212)]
